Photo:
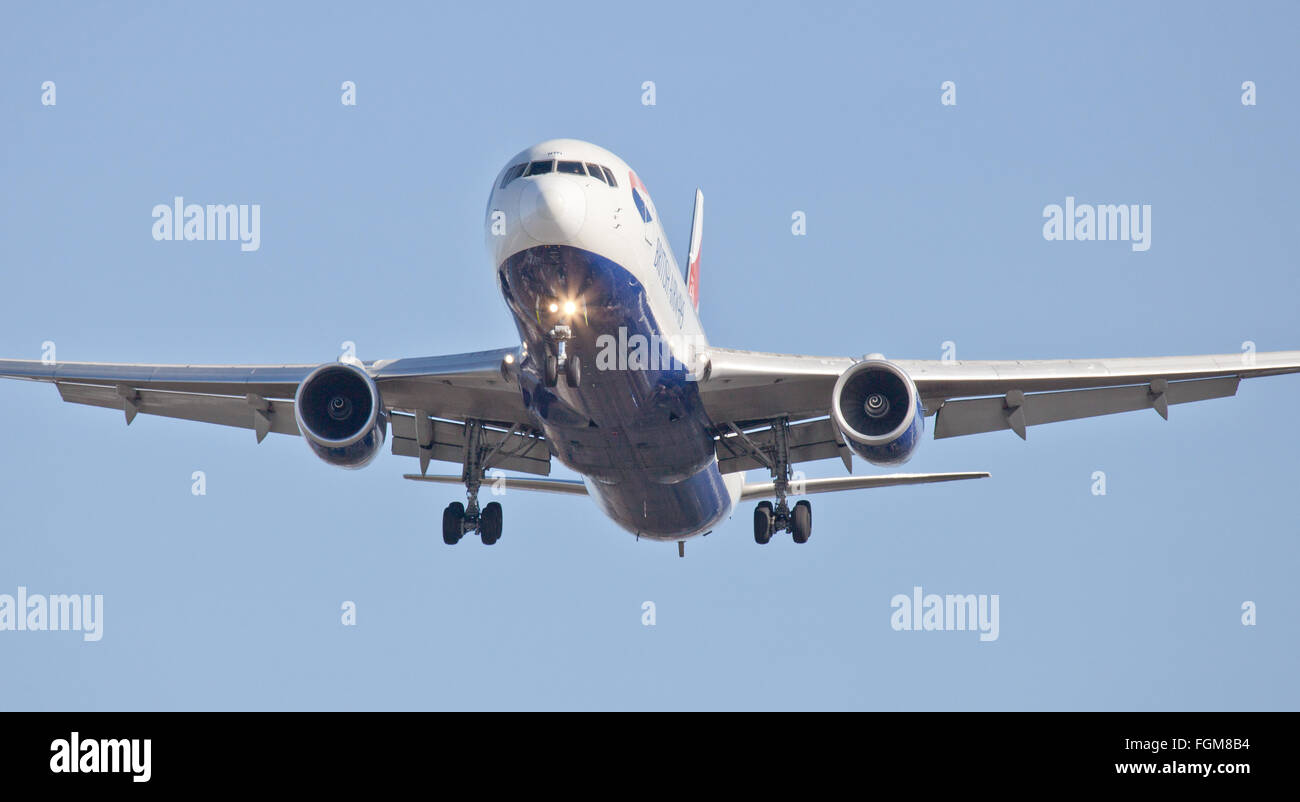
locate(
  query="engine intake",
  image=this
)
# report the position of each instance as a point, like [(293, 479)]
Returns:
[(876, 407), (341, 415)]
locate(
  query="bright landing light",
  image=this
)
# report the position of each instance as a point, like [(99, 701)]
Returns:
[(570, 307)]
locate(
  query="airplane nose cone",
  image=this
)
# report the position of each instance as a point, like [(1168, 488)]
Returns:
[(552, 208)]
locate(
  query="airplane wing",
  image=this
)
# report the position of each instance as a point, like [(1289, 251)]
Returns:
[(744, 391), (429, 396)]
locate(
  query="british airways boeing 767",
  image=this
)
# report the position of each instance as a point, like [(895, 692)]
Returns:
[(613, 377)]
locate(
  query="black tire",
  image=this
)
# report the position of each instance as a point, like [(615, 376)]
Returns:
[(551, 370), (801, 522), (452, 519), (763, 523), (490, 523), (573, 370)]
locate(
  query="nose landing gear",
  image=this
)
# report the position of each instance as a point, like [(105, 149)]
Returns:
[(559, 360)]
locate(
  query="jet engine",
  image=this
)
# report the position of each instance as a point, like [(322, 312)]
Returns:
[(340, 415), (876, 407)]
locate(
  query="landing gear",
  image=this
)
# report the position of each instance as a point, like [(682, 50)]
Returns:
[(573, 370), (801, 522), (559, 360), (763, 523), (457, 522), (460, 519), (489, 523), (769, 519), (453, 523)]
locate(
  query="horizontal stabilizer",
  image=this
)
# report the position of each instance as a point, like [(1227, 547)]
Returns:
[(571, 487), (835, 484)]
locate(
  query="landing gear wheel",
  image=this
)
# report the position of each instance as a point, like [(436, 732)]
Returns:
[(763, 523), (551, 370), (453, 519), (489, 523), (573, 370), (801, 522)]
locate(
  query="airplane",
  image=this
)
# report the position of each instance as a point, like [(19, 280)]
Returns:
[(614, 378)]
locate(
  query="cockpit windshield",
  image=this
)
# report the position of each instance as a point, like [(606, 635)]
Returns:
[(596, 171)]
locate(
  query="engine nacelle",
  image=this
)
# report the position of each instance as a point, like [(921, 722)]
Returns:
[(876, 407), (340, 415)]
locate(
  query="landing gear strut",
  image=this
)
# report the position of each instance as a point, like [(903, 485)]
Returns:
[(459, 519), (769, 519), (559, 360)]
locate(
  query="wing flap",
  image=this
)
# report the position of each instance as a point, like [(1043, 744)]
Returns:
[(249, 412), (428, 438), (1018, 410)]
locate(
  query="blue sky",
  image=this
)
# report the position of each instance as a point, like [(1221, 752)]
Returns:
[(924, 226)]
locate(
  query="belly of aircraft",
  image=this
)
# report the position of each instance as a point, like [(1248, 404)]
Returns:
[(635, 426)]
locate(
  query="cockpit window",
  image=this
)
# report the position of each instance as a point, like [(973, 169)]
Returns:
[(512, 174), (641, 206), (596, 171)]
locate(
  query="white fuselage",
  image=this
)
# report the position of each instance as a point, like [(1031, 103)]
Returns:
[(635, 430)]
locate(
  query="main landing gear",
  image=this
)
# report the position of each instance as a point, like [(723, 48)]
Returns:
[(457, 521), (769, 519), (460, 519), (558, 360)]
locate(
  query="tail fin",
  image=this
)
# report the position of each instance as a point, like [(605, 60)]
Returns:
[(693, 253)]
